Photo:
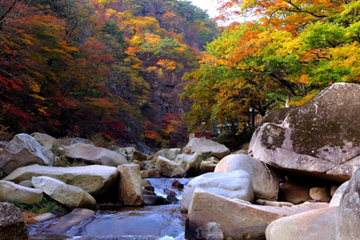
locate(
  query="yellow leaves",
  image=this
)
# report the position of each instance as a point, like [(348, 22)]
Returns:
[(167, 64), (304, 79), (136, 40), (151, 68), (37, 97)]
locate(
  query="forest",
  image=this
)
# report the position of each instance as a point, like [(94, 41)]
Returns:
[(110, 68), (151, 71)]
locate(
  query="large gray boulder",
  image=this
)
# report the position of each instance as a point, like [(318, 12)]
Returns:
[(319, 138), (21, 151), (207, 147), (11, 191), (233, 185), (265, 180), (70, 196), (12, 223), (94, 179), (95, 155)]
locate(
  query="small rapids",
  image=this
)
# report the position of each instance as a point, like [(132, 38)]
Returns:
[(163, 222)]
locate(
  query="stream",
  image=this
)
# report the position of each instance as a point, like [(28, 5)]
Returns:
[(163, 222)]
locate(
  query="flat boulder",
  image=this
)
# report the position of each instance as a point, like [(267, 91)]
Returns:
[(23, 150), (318, 138), (68, 195), (12, 223), (94, 179), (233, 185), (206, 146), (265, 180), (95, 155), (238, 219), (10, 191)]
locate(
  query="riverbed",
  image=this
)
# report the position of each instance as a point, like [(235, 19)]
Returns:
[(146, 222)]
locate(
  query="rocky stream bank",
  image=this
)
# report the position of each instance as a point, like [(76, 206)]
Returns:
[(299, 179)]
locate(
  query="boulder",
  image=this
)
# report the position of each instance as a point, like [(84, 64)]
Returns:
[(265, 180), (237, 184), (168, 168), (135, 154), (70, 220), (238, 219), (318, 138), (349, 210), (320, 194), (130, 192), (169, 153), (95, 155), (21, 151), (207, 166), (45, 140), (311, 225), (294, 192), (207, 147), (273, 203), (70, 196), (151, 173), (192, 168), (155, 200), (93, 179), (335, 200), (210, 231), (12, 223), (11, 191)]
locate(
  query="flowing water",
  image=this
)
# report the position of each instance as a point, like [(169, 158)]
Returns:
[(147, 222)]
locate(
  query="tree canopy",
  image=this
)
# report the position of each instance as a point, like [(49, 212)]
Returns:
[(291, 51), (114, 67)]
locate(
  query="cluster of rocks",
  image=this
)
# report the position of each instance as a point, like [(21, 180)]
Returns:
[(29, 170), (294, 182)]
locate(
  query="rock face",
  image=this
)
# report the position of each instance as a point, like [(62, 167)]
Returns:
[(237, 184), (21, 151), (93, 179), (238, 219), (130, 192), (168, 168), (319, 138), (12, 223), (349, 210), (206, 147), (71, 196), (10, 191), (311, 225), (265, 180), (95, 155)]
